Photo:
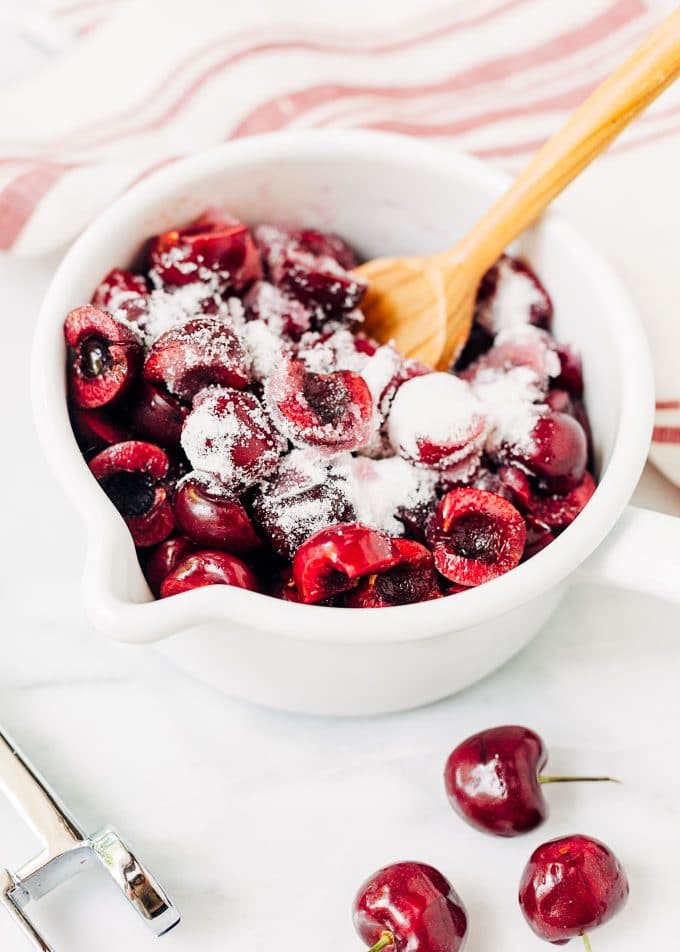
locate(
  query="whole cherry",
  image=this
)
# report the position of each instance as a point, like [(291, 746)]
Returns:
[(570, 886), (494, 780), (410, 907)]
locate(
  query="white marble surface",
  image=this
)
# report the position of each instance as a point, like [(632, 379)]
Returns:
[(262, 825)]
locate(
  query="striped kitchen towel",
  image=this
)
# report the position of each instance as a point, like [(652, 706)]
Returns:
[(118, 88)]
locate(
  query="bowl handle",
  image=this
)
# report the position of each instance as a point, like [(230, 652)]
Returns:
[(642, 554)]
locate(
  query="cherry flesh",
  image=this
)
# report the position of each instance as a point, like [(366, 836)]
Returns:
[(412, 579), (335, 559), (329, 410), (410, 907), (476, 536), (104, 356), (133, 475)]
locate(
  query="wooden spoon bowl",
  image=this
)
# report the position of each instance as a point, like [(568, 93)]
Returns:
[(425, 305)]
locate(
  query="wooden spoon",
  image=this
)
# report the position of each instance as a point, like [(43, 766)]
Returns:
[(426, 305)]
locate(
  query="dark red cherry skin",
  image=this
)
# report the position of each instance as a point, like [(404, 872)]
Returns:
[(96, 429), (213, 518), (156, 415), (132, 475), (208, 568), (539, 536), (558, 512), (124, 291), (273, 508), (412, 579), (104, 356), (164, 558), (326, 244), (334, 559), (570, 886), (571, 370), (560, 454), (416, 904), (492, 780), (199, 353), (211, 242)]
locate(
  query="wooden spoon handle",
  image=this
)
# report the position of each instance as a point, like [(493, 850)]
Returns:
[(635, 84)]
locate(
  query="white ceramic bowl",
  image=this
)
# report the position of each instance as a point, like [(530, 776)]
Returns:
[(388, 195)]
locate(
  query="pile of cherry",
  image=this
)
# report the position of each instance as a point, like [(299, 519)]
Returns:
[(251, 435), (493, 780)]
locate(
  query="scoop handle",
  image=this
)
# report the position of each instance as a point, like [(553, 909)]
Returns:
[(599, 120)]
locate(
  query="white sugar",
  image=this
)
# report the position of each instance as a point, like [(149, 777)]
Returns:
[(379, 371), (165, 309), (216, 431), (379, 489), (207, 481), (336, 351), (510, 305), (210, 343), (436, 408), (265, 347), (509, 399), (533, 339)]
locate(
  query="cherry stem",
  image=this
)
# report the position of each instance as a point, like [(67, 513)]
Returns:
[(386, 938), (586, 942), (542, 778)]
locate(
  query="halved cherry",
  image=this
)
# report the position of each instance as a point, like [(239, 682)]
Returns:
[(412, 579), (229, 434), (437, 421), (335, 559), (201, 352), (507, 481), (476, 536), (157, 415), (212, 516), (303, 267), (521, 346), (208, 568), (320, 282), (123, 291), (558, 512), (511, 292), (164, 558), (297, 502), (326, 244), (104, 356), (213, 242), (132, 475), (96, 429), (282, 585), (331, 410)]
